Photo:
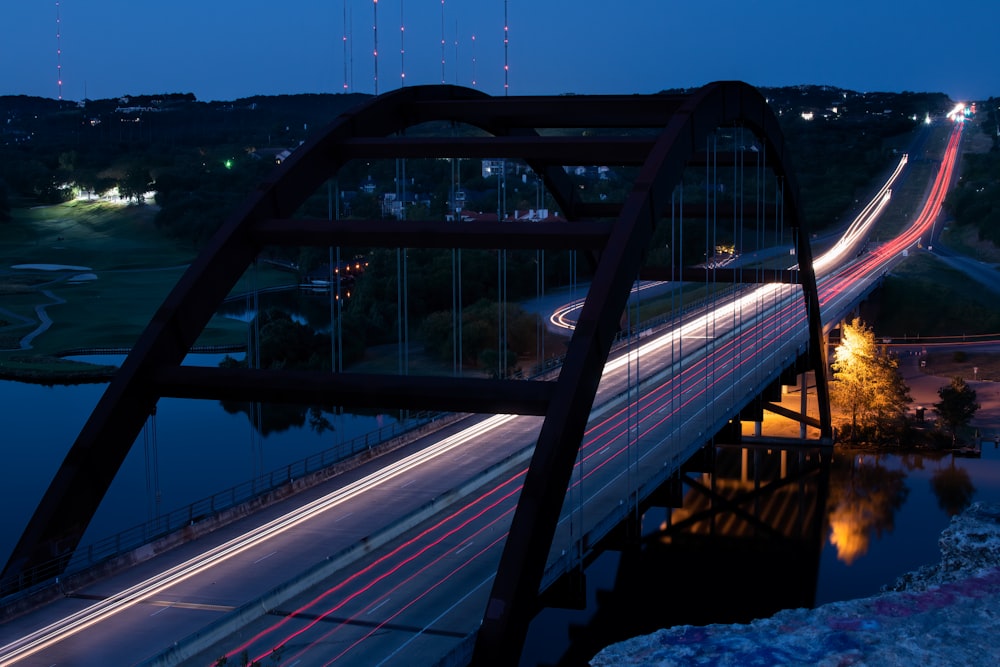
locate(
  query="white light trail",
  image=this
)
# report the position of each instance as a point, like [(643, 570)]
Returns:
[(100, 611)]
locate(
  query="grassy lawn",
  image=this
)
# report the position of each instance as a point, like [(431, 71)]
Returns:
[(135, 268), (925, 297)]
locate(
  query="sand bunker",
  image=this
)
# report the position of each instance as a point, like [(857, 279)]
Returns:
[(51, 267), (81, 278)]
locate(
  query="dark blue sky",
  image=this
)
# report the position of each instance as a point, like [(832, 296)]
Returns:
[(226, 49)]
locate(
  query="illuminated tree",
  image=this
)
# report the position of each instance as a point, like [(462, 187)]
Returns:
[(135, 184), (957, 406), (867, 385)]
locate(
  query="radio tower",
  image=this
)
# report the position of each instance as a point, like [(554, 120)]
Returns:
[(402, 47), (506, 68), (473, 61), (58, 51), (442, 41), (375, 35), (346, 74)]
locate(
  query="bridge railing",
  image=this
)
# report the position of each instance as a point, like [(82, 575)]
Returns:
[(108, 548), (103, 550)]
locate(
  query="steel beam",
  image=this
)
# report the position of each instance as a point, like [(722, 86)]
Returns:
[(360, 390), (666, 134)]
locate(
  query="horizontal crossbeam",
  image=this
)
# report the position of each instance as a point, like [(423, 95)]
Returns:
[(538, 112), (513, 235), (365, 391), (552, 150)]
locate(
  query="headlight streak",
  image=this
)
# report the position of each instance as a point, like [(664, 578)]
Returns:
[(394, 566), (884, 254), (779, 309), (772, 308), (560, 317), (831, 288), (595, 441), (99, 611)]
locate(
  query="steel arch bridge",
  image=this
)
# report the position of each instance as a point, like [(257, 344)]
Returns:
[(657, 136)]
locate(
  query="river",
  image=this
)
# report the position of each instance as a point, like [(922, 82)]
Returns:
[(190, 450)]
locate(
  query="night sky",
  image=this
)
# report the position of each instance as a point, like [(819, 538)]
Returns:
[(228, 49)]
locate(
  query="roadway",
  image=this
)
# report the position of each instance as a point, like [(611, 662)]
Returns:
[(395, 590)]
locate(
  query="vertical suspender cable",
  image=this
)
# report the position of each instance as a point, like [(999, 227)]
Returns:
[(737, 197), (711, 192), (149, 482), (259, 431), (156, 463), (680, 342)]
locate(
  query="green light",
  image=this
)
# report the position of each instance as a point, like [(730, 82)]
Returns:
[(228, 163)]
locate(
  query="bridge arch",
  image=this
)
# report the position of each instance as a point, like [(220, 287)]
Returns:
[(617, 235)]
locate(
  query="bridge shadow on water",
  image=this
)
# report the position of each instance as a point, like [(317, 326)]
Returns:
[(744, 543)]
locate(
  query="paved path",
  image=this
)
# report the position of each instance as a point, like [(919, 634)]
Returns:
[(924, 388)]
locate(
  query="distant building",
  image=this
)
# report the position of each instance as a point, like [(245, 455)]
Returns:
[(493, 167)]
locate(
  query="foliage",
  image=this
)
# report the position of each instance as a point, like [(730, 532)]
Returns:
[(135, 184), (975, 199), (957, 405), (372, 315), (4, 202), (867, 385), (480, 342), (285, 343), (923, 296)]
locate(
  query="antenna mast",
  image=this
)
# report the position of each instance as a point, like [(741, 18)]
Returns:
[(473, 61), (442, 41), (375, 34), (402, 47), (506, 67), (346, 84), (59, 51)]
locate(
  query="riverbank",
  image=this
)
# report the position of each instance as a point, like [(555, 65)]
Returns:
[(38, 369)]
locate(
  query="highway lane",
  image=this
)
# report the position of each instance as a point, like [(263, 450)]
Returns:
[(207, 594), (606, 457), (462, 549)]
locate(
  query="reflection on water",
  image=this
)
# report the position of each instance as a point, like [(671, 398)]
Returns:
[(953, 487), (200, 449), (868, 489), (864, 497), (304, 307), (745, 544), (762, 534)]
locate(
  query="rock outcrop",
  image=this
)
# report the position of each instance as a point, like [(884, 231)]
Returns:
[(943, 614)]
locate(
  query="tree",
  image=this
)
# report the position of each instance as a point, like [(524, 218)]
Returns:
[(866, 384), (135, 184), (957, 406)]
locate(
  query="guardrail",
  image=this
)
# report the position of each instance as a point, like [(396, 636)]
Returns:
[(104, 550)]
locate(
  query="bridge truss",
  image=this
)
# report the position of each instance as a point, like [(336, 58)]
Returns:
[(659, 140)]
